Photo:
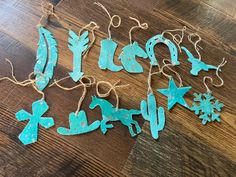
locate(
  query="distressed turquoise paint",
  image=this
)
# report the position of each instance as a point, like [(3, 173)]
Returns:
[(161, 39), (47, 50), (78, 125), (106, 58), (30, 133), (175, 94), (109, 113), (128, 57), (152, 114), (206, 106), (77, 44), (197, 65)]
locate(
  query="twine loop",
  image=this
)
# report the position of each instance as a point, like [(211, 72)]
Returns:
[(217, 74), (161, 71), (195, 43), (48, 10), (24, 83), (111, 23), (177, 38), (143, 26), (91, 80), (112, 88)]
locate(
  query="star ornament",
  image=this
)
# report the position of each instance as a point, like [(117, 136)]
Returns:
[(175, 94)]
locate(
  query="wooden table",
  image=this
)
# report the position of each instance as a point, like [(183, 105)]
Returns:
[(185, 147)]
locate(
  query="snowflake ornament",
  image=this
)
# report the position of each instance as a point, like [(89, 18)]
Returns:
[(206, 107)]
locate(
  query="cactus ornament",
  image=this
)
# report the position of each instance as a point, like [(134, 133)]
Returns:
[(151, 113)]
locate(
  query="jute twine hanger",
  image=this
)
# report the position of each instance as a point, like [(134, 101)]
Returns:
[(112, 88), (111, 23), (143, 26), (195, 43), (217, 74), (161, 71), (178, 39), (24, 83), (149, 81), (91, 81), (48, 10)]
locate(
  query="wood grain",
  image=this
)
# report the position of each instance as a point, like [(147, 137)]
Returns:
[(185, 147), (175, 154)]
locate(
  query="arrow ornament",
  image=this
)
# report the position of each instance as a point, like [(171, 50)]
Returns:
[(78, 45)]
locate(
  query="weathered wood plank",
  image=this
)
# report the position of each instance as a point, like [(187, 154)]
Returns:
[(176, 154), (227, 7), (202, 18), (177, 151)]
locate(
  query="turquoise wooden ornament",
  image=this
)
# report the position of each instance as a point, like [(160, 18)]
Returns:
[(155, 116), (175, 94), (106, 58), (30, 133), (109, 114), (47, 55), (78, 45), (206, 106), (197, 65), (78, 125), (161, 39), (128, 57)]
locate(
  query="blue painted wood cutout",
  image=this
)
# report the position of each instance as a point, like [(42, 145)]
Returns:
[(175, 94), (128, 58), (161, 39), (106, 58), (30, 133), (47, 56), (77, 44), (206, 106), (197, 65), (109, 113), (155, 116), (78, 125)]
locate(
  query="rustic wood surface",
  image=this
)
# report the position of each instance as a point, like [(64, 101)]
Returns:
[(185, 147)]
